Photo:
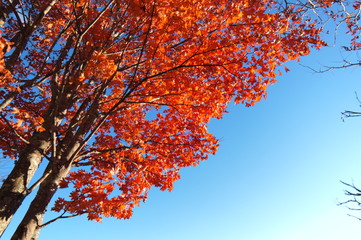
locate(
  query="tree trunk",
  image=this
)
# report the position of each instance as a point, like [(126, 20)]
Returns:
[(14, 189), (29, 227)]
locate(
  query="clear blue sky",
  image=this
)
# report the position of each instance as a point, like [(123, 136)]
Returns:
[(276, 175)]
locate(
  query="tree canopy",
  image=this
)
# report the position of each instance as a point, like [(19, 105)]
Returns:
[(114, 96)]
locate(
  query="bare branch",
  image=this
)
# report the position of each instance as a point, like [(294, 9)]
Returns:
[(39, 181), (62, 216), (14, 130)]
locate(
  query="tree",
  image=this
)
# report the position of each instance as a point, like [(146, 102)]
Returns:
[(114, 96)]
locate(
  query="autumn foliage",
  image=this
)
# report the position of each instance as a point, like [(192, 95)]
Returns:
[(114, 96)]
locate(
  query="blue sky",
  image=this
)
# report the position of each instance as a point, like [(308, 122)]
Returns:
[(276, 175)]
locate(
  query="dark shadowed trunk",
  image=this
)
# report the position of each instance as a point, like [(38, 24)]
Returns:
[(29, 227), (58, 168), (14, 189)]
